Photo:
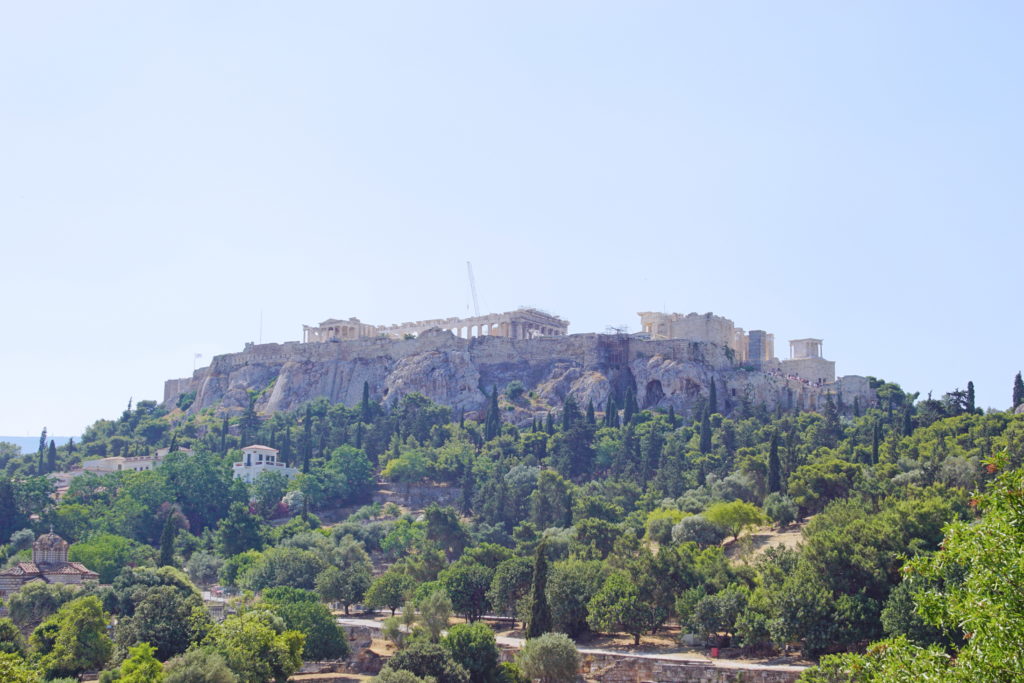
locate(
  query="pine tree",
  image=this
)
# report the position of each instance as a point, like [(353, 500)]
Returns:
[(970, 398), (1018, 391), (713, 397), (167, 543), (591, 418), (540, 611), (705, 432), (51, 457), (492, 423), (774, 466)]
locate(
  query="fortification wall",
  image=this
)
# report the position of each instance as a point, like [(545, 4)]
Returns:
[(461, 372)]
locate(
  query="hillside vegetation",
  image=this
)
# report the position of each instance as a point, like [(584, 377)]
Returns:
[(613, 521)]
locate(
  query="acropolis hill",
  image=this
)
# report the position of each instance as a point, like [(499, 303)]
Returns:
[(454, 361)]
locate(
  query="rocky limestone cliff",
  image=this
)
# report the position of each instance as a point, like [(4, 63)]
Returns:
[(456, 372)]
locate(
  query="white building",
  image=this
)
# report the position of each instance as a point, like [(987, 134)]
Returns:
[(139, 463), (256, 459)]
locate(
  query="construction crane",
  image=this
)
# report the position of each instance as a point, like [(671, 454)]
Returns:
[(472, 288)]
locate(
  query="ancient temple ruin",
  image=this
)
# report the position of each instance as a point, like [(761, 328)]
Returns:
[(522, 323), (754, 348)]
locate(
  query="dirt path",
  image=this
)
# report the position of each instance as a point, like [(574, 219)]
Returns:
[(753, 544)]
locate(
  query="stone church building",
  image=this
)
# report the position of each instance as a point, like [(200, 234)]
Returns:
[(49, 564)]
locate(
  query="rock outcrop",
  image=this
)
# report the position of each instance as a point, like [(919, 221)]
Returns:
[(457, 372)]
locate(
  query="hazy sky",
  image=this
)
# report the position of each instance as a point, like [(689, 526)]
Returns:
[(169, 172)]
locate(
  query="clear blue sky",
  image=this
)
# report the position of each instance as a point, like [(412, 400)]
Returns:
[(168, 171)]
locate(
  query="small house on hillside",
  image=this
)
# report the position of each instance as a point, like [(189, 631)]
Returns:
[(256, 459)]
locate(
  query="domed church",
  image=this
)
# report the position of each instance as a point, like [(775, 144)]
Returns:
[(49, 564)]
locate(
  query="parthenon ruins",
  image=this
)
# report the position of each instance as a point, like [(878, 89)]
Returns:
[(522, 323)]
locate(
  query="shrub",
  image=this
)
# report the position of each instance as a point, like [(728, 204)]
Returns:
[(698, 529), (552, 658)]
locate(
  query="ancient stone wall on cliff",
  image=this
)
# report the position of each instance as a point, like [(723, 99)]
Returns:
[(457, 372)]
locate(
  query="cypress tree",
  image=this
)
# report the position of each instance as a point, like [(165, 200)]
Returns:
[(774, 466), (876, 438), (833, 430), (167, 543), (672, 417), (492, 423), (359, 435), (856, 406), (549, 424), (307, 439), (1018, 391), (224, 436), (250, 422), (591, 419), (365, 414), (713, 397), (540, 611), (41, 467), (51, 457), (570, 413), (970, 398), (11, 518), (908, 422), (325, 432), (71, 445), (468, 486), (705, 432), (610, 412), (629, 408)]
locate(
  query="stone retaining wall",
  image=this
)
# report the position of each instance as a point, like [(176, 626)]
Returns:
[(617, 669)]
